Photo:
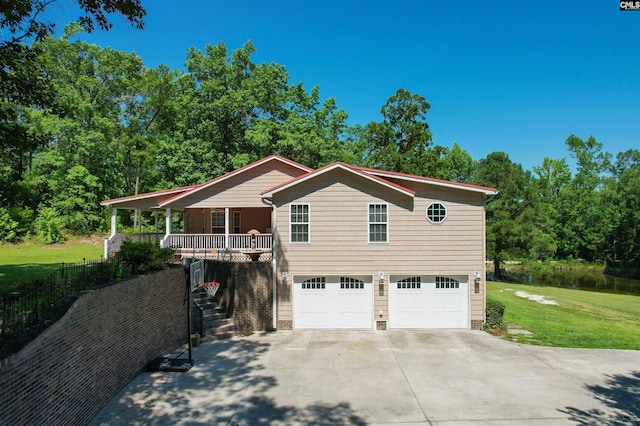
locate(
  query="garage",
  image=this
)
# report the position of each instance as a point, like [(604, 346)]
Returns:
[(333, 302), (424, 302)]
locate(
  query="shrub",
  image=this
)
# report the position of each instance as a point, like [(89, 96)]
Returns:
[(495, 312), (144, 257), (8, 227), (48, 226)]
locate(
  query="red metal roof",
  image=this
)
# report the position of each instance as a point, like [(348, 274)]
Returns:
[(379, 176), (333, 166)]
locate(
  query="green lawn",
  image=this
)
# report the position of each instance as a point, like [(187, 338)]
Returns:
[(582, 319), (28, 261)]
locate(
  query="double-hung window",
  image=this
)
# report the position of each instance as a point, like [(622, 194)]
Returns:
[(217, 222), (378, 223), (299, 223)]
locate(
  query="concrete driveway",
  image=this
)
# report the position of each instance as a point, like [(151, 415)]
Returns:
[(388, 377)]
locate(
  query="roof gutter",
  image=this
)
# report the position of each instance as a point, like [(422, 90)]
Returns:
[(274, 267)]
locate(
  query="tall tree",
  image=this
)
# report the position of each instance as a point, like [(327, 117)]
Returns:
[(218, 101), (399, 143), (83, 158), (624, 241), (553, 179), (25, 84), (305, 130), (454, 164), (231, 111), (504, 210), (587, 219), (24, 81)]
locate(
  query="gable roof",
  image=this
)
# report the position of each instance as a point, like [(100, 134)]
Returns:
[(334, 166), (163, 199), (380, 177), (233, 173), (167, 196), (438, 182), (148, 195)]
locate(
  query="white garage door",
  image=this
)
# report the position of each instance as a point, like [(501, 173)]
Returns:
[(428, 302), (332, 302)]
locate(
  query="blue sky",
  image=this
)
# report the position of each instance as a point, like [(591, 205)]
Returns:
[(510, 76)]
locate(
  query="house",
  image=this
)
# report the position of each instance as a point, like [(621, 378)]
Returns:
[(350, 247)]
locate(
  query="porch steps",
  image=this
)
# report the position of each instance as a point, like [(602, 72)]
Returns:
[(215, 323)]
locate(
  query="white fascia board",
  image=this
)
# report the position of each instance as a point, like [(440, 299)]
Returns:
[(332, 167), (436, 182), (144, 196)]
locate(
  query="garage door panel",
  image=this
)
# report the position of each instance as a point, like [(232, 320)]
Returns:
[(333, 307), (441, 304), (312, 305)]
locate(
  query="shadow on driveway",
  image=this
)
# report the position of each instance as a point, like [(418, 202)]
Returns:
[(621, 393), (229, 390)]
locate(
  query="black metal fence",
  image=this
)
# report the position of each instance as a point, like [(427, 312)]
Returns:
[(34, 302)]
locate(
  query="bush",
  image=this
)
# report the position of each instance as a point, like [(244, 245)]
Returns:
[(144, 257), (8, 227), (495, 312), (48, 226)]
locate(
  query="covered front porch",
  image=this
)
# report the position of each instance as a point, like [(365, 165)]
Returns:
[(232, 233), (225, 217)]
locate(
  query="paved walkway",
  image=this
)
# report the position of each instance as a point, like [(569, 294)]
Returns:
[(385, 378)]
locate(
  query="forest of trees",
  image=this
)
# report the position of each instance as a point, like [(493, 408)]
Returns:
[(80, 123)]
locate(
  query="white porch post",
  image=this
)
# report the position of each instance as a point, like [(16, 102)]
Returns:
[(166, 242), (114, 231), (167, 222), (114, 222), (226, 227)]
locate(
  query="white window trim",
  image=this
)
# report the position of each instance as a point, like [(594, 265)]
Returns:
[(369, 223), (217, 212), (308, 224), (446, 212)]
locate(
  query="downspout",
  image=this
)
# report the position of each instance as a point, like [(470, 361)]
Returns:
[(273, 260)]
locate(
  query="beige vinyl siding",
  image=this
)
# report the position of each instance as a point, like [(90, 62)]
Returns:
[(339, 244), (242, 190)]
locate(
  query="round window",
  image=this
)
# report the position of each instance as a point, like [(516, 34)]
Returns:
[(436, 212)]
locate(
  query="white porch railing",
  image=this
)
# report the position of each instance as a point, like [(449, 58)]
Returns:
[(113, 243), (243, 242)]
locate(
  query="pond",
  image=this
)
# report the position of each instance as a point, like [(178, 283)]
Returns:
[(590, 281)]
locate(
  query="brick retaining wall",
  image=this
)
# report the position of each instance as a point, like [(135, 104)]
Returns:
[(71, 370), (246, 291)]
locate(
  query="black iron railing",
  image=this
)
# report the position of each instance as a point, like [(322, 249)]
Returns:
[(34, 302)]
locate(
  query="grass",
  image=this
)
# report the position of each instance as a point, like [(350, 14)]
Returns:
[(582, 319), (28, 261)]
